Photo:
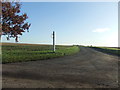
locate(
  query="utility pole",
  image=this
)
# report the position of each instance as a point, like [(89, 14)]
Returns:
[(53, 41)]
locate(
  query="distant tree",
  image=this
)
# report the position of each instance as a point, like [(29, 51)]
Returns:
[(12, 22)]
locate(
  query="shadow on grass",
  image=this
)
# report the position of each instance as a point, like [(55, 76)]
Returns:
[(107, 51), (49, 52)]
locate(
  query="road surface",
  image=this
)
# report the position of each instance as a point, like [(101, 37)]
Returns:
[(87, 69)]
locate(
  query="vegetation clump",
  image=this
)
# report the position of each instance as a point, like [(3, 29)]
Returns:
[(19, 53)]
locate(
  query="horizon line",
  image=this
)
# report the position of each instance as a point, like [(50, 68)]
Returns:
[(56, 44)]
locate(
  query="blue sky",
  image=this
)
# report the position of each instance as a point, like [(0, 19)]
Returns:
[(82, 23)]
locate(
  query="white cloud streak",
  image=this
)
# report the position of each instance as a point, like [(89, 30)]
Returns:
[(99, 30)]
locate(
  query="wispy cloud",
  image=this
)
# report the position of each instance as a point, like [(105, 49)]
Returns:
[(101, 30)]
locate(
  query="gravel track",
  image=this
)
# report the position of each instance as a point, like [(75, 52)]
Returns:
[(87, 69)]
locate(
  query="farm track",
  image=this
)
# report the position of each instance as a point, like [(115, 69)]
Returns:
[(87, 69)]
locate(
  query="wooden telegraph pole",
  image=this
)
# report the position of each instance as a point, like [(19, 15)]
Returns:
[(53, 41)]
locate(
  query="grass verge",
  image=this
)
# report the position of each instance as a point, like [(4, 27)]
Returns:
[(21, 53), (108, 50)]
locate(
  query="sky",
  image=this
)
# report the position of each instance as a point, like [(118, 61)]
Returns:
[(74, 23)]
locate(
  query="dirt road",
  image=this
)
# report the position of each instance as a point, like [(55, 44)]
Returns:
[(86, 69)]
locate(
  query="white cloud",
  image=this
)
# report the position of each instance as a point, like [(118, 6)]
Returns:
[(101, 30)]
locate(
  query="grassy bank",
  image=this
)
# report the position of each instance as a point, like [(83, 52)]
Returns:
[(27, 52), (108, 50)]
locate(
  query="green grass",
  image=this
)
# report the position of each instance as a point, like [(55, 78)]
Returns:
[(109, 50), (20, 53)]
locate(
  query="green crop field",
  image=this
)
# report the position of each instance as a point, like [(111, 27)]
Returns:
[(30, 52), (109, 50)]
